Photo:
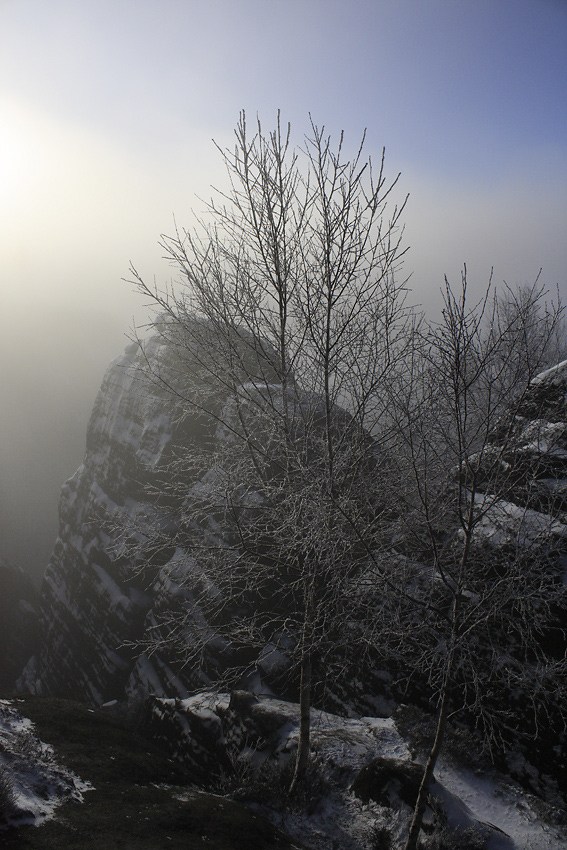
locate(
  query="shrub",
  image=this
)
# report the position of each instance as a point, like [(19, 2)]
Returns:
[(454, 839), (26, 747), (381, 839), (269, 786)]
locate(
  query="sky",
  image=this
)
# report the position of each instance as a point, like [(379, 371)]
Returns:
[(108, 109)]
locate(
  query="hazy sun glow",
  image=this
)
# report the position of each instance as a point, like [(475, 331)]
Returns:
[(22, 159), (107, 112)]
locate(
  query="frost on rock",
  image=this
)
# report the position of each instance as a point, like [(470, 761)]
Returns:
[(98, 597), (103, 594), (538, 436), (32, 783), (222, 737), (114, 608), (502, 523)]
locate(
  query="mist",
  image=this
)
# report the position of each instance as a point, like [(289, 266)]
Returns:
[(68, 312), (107, 113), (53, 364)]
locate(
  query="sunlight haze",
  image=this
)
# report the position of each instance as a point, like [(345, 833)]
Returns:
[(107, 115)]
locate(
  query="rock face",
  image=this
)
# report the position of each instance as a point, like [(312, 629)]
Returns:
[(94, 606), (103, 592), (536, 454), (98, 606), (97, 603), (244, 746)]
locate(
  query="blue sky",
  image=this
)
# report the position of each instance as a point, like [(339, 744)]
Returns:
[(462, 73), (108, 109), (113, 105)]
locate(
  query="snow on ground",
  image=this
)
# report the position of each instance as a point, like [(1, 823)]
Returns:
[(340, 821), (504, 805), (32, 785), (504, 522)]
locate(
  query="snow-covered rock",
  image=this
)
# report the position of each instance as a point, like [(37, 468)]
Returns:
[(97, 604), (98, 607), (105, 590), (32, 783), (229, 738)]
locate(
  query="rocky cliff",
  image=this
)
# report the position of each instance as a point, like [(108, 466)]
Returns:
[(92, 607), (98, 607), (104, 588), (97, 604)]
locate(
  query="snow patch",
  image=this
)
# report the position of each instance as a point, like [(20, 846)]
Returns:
[(505, 523), (35, 783), (556, 375)]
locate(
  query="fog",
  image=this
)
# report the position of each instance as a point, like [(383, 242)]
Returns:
[(54, 352), (68, 312), (76, 209), (107, 112), (53, 364)]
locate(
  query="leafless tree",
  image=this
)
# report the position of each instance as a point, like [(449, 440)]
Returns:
[(534, 327), (288, 310), (481, 562)]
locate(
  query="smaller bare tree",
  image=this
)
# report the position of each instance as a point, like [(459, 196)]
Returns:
[(481, 563)]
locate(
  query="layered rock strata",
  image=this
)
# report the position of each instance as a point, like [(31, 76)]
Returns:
[(95, 603), (99, 607), (106, 589)]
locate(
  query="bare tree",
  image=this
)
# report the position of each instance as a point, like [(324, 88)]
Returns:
[(534, 328), (481, 561), (288, 309)]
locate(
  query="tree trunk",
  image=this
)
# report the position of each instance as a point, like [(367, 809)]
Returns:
[(423, 794), (302, 757)]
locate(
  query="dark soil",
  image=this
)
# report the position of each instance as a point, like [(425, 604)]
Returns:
[(141, 799)]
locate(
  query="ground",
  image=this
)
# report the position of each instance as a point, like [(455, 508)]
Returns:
[(140, 800), (105, 786)]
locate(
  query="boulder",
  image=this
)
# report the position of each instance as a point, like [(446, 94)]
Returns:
[(388, 781)]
